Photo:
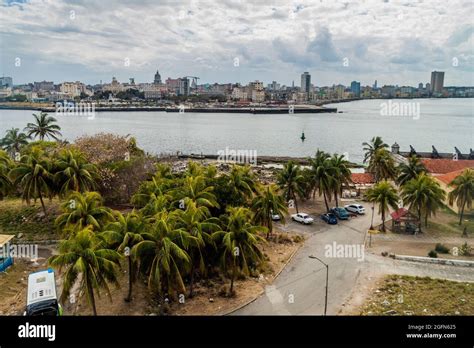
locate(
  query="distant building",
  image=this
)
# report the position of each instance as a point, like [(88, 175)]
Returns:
[(73, 89), (305, 82), (257, 92), (6, 82), (437, 82), (355, 88), (375, 85), (183, 86), (157, 80), (43, 86), (420, 86), (113, 87)]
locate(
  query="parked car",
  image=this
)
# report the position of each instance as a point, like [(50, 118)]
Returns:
[(302, 218), (41, 295), (329, 218), (275, 217), (340, 212), (355, 208)]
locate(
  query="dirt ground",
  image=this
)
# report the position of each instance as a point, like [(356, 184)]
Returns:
[(14, 282)]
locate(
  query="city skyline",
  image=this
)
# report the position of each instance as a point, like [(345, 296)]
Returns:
[(233, 41)]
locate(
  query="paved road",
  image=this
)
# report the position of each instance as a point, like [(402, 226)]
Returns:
[(300, 288)]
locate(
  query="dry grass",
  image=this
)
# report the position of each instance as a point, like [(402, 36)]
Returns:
[(406, 295)]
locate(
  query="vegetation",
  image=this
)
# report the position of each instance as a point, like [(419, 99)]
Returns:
[(44, 126), (423, 195), (463, 192), (407, 295), (385, 196)]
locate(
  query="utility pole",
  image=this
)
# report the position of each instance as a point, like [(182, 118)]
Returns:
[(327, 280)]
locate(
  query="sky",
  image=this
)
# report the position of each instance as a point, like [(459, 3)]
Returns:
[(394, 42)]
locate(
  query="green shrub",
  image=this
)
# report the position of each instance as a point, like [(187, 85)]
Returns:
[(433, 254), (442, 249)]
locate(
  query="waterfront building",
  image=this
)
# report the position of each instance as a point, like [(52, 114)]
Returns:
[(306, 83), (375, 85), (73, 89), (157, 80), (355, 88), (43, 86), (257, 92), (183, 86), (6, 81), (113, 87), (437, 82), (172, 85)]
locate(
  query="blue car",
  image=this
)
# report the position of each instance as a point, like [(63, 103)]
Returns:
[(329, 218), (341, 213)]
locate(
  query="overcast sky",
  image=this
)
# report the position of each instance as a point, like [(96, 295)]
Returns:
[(395, 42)]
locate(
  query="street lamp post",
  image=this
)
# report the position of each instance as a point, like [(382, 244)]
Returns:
[(327, 280), (372, 221)]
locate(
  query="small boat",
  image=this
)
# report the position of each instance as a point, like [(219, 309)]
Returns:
[(302, 137)]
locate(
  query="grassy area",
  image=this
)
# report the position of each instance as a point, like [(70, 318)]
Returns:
[(16, 217), (406, 295)]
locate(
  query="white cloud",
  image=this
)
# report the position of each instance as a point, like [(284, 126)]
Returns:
[(396, 42)]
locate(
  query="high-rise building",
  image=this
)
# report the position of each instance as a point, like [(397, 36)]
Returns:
[(420, 86), (375, 85), (305, 82), (437, 81), (157, 79), (355, 88), (6, 82), (183, 86)]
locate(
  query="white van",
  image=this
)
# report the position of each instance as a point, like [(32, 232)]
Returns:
[(41, 297)]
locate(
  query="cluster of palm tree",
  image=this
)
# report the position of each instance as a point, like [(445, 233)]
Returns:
[(326, 176), (420, 192), (184, 227), (44, 126)]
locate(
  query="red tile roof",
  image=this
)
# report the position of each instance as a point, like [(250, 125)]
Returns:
[(397, 214), (448, 177), (444, 166), (362, 178)]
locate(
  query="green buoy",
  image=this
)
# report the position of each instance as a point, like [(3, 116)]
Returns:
[(302, 137)]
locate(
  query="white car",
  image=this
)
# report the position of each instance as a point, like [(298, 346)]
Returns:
[(302, 218), (355, 208), (275, 217)]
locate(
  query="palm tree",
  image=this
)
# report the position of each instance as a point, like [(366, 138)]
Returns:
[(162, 255), (44, 126), (33, 175), (194, 189), (385, 195), (268, 203), (371, 148), (74, 173), (290, 181), (410, 170), (122, 234), (13, 141), (340, 174), (463, 191), (83, 209), (198, 223), (382, 165), (86, 259), (242, 182), (239, 243), (5, 182), (424, 195), (321, 175)]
